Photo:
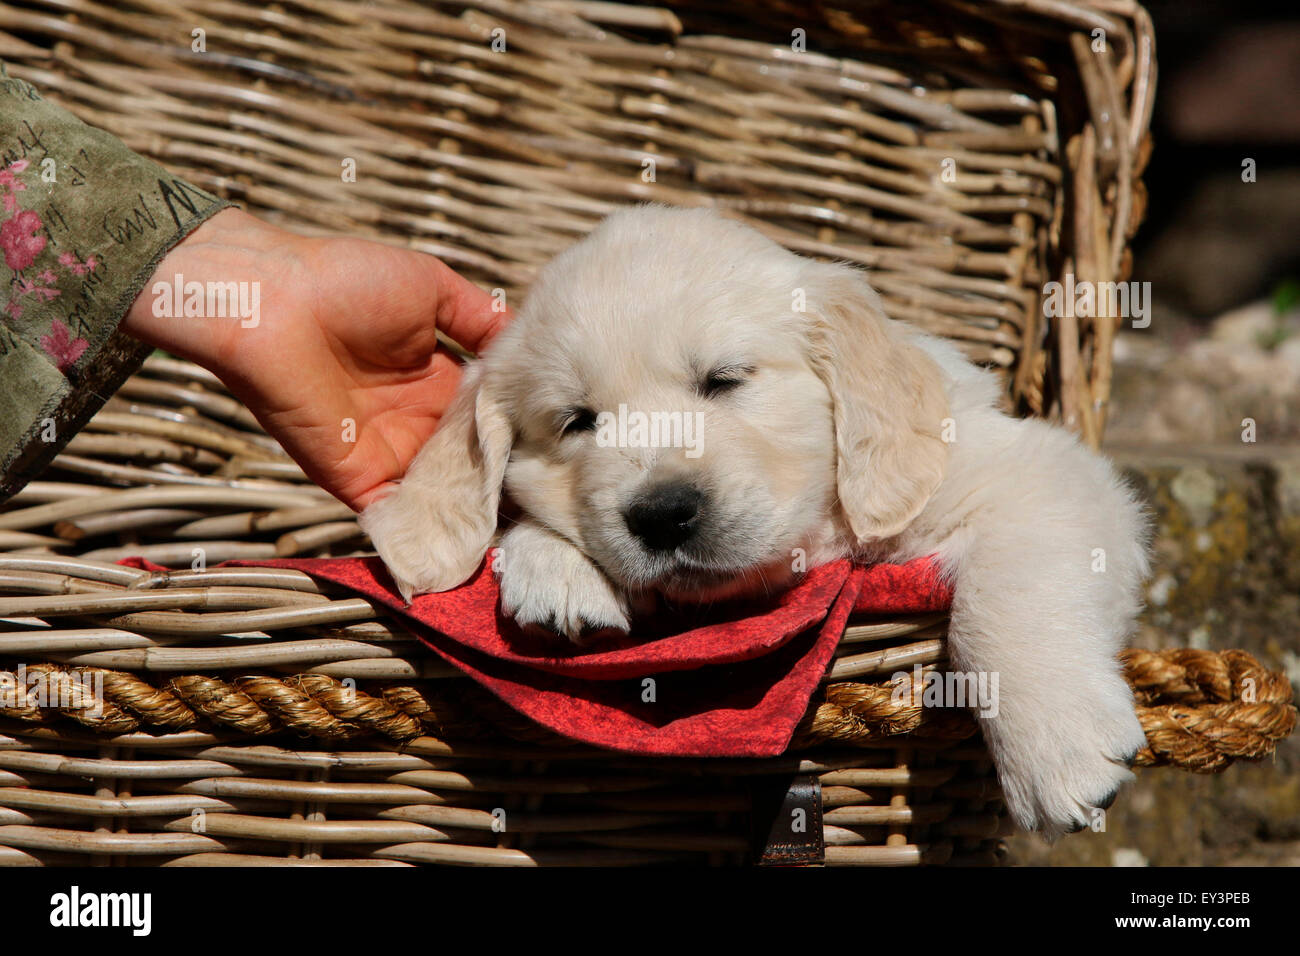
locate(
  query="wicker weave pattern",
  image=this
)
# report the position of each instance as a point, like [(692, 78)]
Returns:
[(203, 802), (967, 153), (216, 686), (183, 709), (162, 768)]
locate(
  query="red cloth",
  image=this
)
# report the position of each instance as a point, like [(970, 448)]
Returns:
[(728, 681)]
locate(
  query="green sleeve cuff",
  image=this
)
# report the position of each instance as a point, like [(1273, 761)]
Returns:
[(84, 222)]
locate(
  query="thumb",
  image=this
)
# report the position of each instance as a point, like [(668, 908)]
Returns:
[(468, 315)]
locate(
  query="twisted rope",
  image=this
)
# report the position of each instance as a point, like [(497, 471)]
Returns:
[(313, 705), (1201, 710)]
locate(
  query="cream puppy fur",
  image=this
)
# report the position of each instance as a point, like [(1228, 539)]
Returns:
[(827, 430)]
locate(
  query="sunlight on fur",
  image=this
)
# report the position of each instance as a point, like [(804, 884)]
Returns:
[(827, 430)]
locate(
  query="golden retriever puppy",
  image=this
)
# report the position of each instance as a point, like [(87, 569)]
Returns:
[(685, 408)]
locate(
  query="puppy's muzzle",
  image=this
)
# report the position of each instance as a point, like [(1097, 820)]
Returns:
[(666, 516)]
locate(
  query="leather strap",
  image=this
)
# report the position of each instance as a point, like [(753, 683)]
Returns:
[(787, 822)]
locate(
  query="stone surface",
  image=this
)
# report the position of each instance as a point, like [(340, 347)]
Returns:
[(1239, 382)]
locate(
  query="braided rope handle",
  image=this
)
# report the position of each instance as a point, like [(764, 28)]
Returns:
[(1201, 710)]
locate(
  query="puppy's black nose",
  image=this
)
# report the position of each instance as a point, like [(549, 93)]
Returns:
[(666, 516)]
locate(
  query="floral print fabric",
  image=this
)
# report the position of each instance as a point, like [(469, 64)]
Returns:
[(83, 223)]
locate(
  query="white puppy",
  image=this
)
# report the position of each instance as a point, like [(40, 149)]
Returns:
[(785, 415)]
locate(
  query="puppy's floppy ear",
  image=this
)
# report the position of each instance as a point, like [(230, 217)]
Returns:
[(434, 529), (889, 403)]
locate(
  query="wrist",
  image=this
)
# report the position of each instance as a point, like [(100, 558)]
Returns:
[(212, 287)]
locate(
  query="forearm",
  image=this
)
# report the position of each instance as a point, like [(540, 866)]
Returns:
[(83, 225)]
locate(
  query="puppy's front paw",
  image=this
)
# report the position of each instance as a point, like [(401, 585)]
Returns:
[(548, 584), (426, 547), (1059, 770)]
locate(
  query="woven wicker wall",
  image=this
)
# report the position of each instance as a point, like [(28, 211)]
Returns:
[(965, 153)]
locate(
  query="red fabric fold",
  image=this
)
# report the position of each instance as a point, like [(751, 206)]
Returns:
[(731, 680)]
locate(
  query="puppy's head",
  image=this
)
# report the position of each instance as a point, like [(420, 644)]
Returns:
[(698, 410)]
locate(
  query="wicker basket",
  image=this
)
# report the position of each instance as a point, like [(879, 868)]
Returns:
[(965, 153)]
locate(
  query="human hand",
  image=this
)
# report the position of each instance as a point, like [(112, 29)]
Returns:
[(347, 331)]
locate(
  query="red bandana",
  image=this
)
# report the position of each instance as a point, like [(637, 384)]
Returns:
[(731, 680)]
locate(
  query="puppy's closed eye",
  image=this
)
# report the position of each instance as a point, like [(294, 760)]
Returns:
[(724, 378), (574, 421)]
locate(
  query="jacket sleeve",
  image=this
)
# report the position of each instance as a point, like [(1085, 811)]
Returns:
[(83, 225)]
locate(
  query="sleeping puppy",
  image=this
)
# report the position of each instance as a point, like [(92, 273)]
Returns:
[(818, 428)]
